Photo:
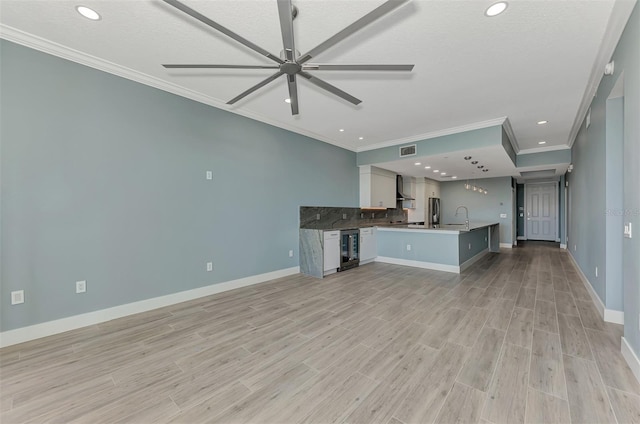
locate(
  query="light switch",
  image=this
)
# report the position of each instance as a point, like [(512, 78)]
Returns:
[(627, 230), (503, 215), (209, 175)]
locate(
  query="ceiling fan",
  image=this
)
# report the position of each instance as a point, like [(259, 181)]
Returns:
[(293, 64)]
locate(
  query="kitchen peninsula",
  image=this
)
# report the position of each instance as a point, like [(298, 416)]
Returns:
[(451, 248), (385, 236)]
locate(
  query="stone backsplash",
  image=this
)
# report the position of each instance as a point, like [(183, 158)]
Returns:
[(341, 218)]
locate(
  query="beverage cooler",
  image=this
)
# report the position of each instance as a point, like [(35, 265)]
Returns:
[(349, 249)]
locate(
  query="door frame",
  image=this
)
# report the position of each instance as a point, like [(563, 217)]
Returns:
[(526, 207)]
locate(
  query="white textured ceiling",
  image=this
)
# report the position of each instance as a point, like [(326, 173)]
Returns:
[(538, 60)]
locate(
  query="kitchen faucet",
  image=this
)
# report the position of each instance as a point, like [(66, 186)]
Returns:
[(466, 223)]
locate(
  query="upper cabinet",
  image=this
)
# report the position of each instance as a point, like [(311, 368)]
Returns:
[(377, 188)]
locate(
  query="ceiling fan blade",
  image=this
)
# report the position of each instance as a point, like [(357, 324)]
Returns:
[(255, 87), (325, 85), (286, 27), (186, 66), (189, 11), (376, 13), (293, 93), (328, 67)]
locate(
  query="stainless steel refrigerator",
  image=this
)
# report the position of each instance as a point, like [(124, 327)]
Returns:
[(434, 212)]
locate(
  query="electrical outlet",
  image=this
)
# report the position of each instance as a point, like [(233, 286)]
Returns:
[(17, 297), (209, 266), (596, 271), (575, 247), (469, 246), (503, 215), (317, 217), (81, 286), (408, 247), (291, 253), (209, 175), (344, 216)]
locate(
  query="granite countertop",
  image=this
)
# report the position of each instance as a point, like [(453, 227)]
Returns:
[(447, 229)]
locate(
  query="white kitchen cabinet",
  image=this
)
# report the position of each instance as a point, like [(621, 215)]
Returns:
[(377, 188), (331, 251), (368, 245), (425, 188)]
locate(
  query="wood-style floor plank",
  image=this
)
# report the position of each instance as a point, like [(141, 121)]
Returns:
[(342, 349), (546, 373), (543, 408), (588, 400), (479, 368), (507, 395), (463, 405), (573, 338)]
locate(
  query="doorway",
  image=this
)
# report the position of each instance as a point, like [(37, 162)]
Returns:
[(541, 211)]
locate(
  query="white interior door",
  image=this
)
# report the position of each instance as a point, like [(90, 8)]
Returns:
[(541, 211)]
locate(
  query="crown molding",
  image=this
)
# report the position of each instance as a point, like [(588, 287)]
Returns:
[(434, 134), (617, 21), (46, 46)]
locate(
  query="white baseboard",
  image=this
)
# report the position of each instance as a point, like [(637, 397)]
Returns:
[(563, 246), (613, 316), (521, 238), (631, 358), (608, 315), (32, 332), (473, 260), (506, 245), (419, 264)]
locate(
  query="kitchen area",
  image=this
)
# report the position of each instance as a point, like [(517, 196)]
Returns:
[(399, 221)]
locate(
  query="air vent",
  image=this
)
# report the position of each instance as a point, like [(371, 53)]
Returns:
[(408, 151)]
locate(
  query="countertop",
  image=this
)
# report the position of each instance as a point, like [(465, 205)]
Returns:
[(403, 226), (442, 229)]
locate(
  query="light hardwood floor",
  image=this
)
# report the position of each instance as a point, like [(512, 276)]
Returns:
[(514, 339)]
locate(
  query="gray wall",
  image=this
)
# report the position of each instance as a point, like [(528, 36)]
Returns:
[(483, 208), (103, 180), (614, 202), (587, 193), (463, 141)]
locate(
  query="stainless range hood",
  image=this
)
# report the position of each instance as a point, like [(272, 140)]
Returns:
[(400, 187)]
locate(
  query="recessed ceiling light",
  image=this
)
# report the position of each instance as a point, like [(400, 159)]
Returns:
[(443, 173), (360, 138), (287, 100), (542, 142), (542, 122), (454, 177), (485, 170), (435, 170), (467, 157), (341, 130), (496, 8), (88, 13), (417, 163), (427, 167), (480, 166), (474, 162)]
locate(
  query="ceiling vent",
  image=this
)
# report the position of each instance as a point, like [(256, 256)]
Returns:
[(408, 151)]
